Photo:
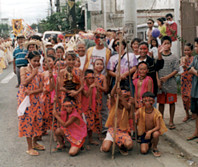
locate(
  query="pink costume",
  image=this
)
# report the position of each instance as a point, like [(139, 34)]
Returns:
[(74, 133)]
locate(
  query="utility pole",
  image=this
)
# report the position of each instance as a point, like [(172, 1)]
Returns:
[(72, 14), (130, 19)]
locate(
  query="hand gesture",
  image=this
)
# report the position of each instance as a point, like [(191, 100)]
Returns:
[(28, 92), (148, 135), (161, 48), (73, 93), (163, 79), (34, 71)]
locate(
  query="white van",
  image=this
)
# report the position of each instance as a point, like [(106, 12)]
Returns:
[(49, 34)]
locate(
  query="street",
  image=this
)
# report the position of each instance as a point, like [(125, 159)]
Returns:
[(13, 149)]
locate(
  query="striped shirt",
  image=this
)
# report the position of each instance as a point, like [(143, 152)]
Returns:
[(171, 63), (19, 57)]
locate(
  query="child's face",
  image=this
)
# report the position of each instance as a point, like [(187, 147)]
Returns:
[(143, 70), (187, 51), (148, 101), (90, 78), (99, 65), (59, 53), (77, 63), (126, 94), (134, 46), (50, 62), (35, 61), (70, 60), (67, 106), (167, 45), (153, 42), (143, 50), (196, 47)]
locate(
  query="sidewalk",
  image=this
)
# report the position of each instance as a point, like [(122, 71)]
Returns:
[(183, 130)]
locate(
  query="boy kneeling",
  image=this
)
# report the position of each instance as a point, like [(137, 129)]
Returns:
[(72, 127), (123, 139), (150, 124)]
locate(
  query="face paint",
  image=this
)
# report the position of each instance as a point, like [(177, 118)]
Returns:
[(148, 101)]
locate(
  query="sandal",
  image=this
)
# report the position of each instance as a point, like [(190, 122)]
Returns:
[(123, 151), (156, 153), (186, 119), (172, 126), (32, 152), (38, 147), (191, 138)]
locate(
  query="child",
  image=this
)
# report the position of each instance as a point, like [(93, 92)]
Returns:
[(70, 81), (78, 63), (60, 53), (101, 85), (150, 125), (168, 92), (72, 127), (134, 46), (30, 124), (123, 139), (89, 105), (193, 69), (142, 84), (47, 78), (186, 79), (154, 49)]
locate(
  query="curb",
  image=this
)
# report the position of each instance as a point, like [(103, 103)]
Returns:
[(182, 145)]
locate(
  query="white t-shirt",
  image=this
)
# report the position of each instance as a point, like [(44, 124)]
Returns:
[(82, 62), (98, 54), (155, 52)]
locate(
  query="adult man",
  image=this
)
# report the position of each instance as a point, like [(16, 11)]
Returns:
[(150, 24), (81, 52), (171, 31), (19, 58), (99, 52)]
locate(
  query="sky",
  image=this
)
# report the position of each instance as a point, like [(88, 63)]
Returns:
[(29, 10)]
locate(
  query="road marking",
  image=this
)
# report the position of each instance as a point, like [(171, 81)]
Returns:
[(8, 78)]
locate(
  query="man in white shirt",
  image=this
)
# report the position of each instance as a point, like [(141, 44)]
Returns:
[(81, 49)]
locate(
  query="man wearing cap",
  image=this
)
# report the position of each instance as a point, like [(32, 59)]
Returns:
[(99, 52), (19, 58)]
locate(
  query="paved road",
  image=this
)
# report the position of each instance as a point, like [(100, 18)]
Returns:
[(12, 148)]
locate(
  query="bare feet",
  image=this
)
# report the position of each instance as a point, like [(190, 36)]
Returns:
[(32, 152)]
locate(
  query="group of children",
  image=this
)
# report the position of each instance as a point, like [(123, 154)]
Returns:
[(74, 98)]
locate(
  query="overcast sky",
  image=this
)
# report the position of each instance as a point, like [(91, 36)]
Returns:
[(29, 10)]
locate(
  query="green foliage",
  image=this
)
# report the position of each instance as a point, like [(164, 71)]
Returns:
[(60, 21)]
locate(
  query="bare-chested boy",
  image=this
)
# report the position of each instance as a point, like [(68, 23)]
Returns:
[(150, 125), (123, 139)]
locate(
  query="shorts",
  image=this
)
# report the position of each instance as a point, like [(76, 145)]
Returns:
[(143, 140), (108, 137), (166, 98), (194, 105)]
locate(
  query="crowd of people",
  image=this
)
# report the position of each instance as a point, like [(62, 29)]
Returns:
[(84, 88), (6, 49)]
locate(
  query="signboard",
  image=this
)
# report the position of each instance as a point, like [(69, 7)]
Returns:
[(94, 5)]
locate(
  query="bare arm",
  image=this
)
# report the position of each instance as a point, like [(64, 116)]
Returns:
[(193, 71), (165, 78), (25, 80), (104, 87), (150, 85)]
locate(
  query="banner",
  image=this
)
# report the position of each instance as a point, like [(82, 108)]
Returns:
[(94, 5), (17, 26)]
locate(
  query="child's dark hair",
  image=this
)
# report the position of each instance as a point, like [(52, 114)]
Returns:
[(68, 99), (164, 38), (52, 57), (98, 60), (48, 49), (60, 47), (124, 87), (115, 43), (143, 62), (88, 71), (36, 46), (71, 53), (148, 94), (143, 43), (54, 38), (161, 20), (154, 39), (189, 45), (136, 40), (196, 40), (33, 54)]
